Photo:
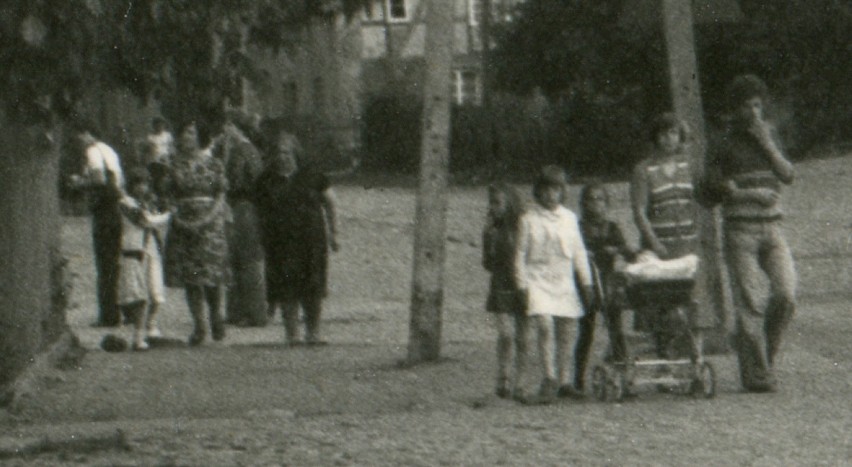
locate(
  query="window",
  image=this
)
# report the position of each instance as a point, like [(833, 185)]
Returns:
[(474, 12), (374, 11), (397, 10), (467, 87)]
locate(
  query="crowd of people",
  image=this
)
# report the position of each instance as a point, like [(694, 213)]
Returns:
[(209, 213), (550, 268)]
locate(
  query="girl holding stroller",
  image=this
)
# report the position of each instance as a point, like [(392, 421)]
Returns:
[(605, 243)]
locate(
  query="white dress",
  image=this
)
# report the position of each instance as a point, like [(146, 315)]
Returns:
[(551, 260)]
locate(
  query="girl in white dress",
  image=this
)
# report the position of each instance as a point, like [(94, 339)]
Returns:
[(552, 271)]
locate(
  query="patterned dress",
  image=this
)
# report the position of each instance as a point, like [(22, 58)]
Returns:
[(197, 247)]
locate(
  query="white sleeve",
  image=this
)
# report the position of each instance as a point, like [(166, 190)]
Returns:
[(581, 256), (521, 252)]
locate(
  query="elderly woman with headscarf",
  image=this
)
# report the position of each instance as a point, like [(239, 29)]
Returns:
[(197, 249), (297, 217)]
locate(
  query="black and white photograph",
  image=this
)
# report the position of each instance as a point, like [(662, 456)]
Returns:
[(425, 232)]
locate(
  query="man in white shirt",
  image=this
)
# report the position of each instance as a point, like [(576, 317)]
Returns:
[(103, 178)]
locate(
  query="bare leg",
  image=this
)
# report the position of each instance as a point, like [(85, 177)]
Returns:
[(504, 352), (546, 340), (290, 316), (562, 327), (312, 307), (213, 296), (195, 302), (521, 349), (151, 327), (136, 313)]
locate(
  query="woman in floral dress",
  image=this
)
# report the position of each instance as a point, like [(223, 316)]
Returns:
[(197, 248)]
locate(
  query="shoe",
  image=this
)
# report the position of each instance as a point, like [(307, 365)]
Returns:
[(315, 341), (218, 331), (548, 391), (154, 332), (140, 346), (567, 391), (196, 338), (502, 389), (520, 396)]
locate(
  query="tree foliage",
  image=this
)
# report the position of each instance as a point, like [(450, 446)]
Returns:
[(599, 74), (190, 55)]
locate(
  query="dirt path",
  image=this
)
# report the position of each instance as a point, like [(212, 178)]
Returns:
[(251, 401), (255, 403)]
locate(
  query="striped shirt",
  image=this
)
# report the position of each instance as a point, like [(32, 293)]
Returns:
[(740, 158), (671, 206)]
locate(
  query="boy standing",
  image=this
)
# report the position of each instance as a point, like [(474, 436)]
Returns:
[(747, 172)]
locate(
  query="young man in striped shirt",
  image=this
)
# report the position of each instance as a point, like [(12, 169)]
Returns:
[(747, 171)]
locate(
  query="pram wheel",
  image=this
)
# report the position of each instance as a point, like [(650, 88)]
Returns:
[(704, 383)]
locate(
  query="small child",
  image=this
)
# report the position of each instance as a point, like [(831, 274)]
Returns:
[(550, 263), (504, 301), (140, 280), (605, 243)]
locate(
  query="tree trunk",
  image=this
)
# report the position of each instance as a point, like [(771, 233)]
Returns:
[(29, 240), (431, 216), (711, 289)]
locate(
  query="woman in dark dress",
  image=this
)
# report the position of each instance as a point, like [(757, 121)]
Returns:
[(197, 249), (297, 219)]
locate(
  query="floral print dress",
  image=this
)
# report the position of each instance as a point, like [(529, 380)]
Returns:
[(197, 247)]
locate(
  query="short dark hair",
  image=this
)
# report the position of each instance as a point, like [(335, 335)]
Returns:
[(664, 122), (745, 87), (589, 188), (550, 175), (138, 175)]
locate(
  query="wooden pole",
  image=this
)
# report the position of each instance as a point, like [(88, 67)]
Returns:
[(431, 216), (711, 290)]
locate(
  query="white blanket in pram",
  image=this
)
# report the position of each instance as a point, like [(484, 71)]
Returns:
[(650, 268)]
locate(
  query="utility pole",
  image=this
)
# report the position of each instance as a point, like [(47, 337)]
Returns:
[(712, 291), (427, 295)]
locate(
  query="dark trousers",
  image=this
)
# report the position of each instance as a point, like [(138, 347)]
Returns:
[(586, 337), (106, 236)]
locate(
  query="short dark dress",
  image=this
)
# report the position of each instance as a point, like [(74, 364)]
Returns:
[(498, 246), (293, 232)]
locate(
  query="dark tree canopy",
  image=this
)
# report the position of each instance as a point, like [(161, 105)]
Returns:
[(188, 54), (579, 54)]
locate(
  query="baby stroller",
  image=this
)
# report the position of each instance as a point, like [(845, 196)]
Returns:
[(661, 293)]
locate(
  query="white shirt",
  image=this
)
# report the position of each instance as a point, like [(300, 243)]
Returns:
[(100, 159), (162, 146)]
